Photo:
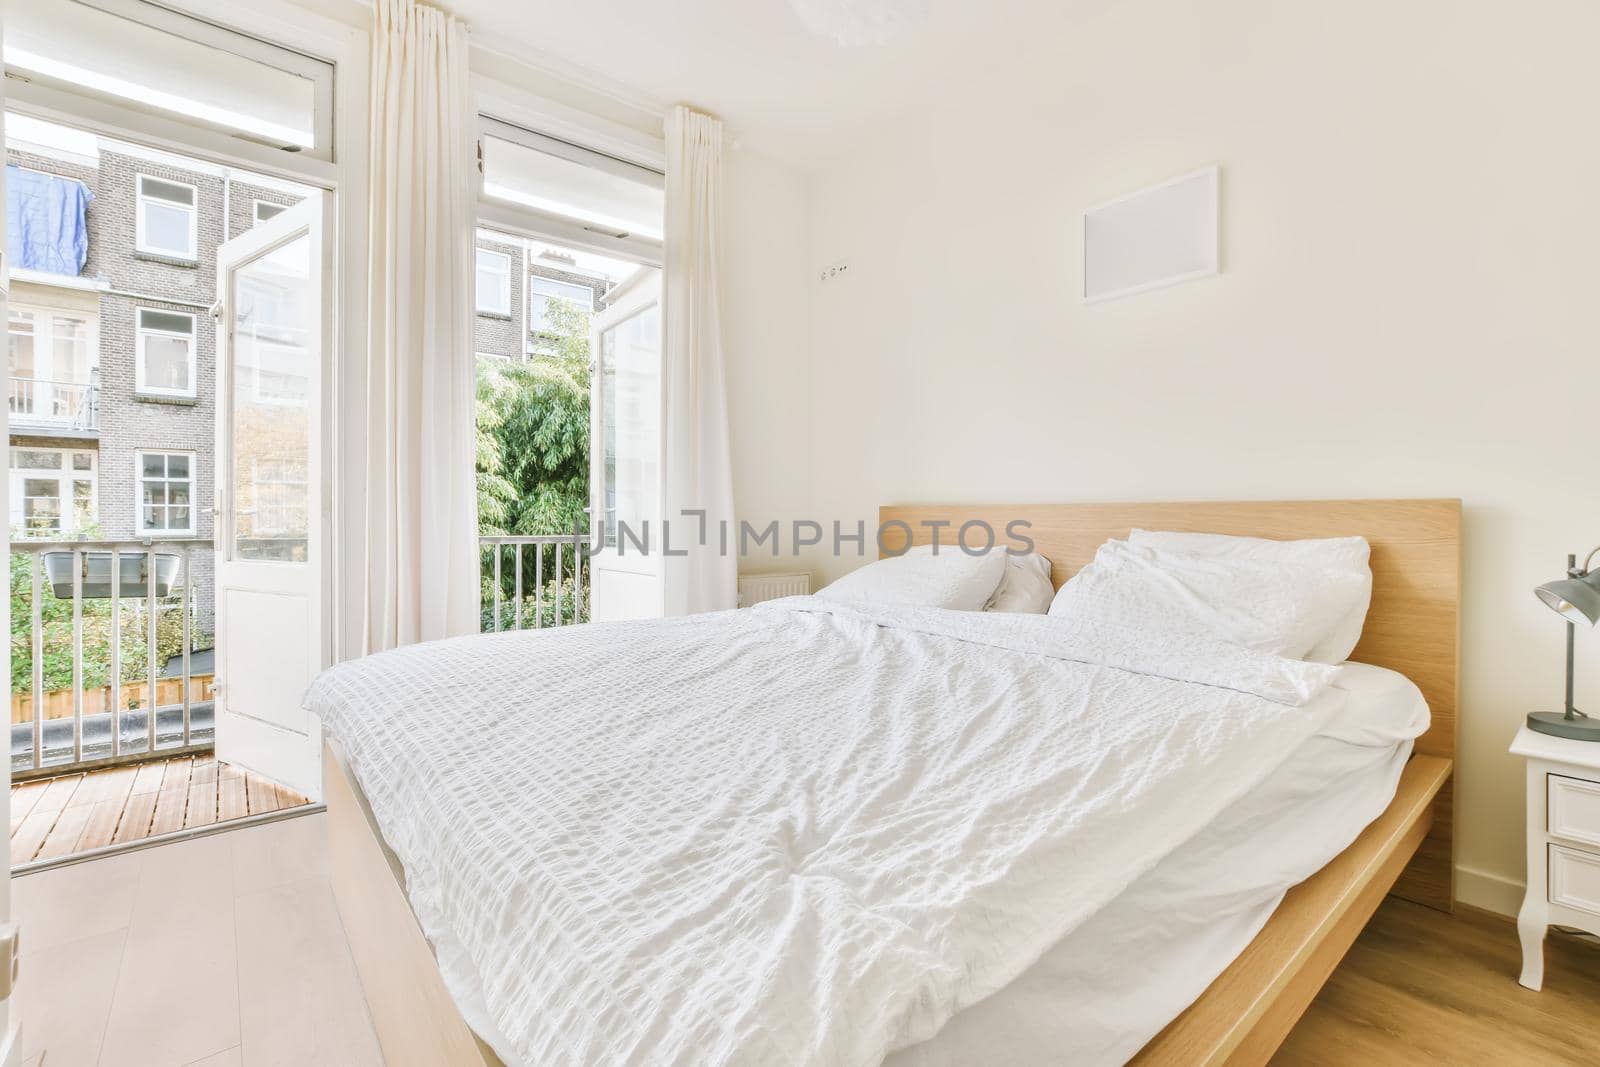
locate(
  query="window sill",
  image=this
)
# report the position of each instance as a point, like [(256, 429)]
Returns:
[(161, 398), (495, 315), (171, 261)]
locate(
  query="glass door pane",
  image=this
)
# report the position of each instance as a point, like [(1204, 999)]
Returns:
[(630, 404), (274, 324)]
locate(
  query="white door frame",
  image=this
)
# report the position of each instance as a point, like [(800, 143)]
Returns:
[(290, 756), (348, 47)]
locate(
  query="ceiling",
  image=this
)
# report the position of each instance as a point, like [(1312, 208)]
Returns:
[(780, 88)]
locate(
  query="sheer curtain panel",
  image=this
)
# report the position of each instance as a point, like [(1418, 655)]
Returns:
[(421, 549)]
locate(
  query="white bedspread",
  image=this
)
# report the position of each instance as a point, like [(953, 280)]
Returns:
[(801, 833)]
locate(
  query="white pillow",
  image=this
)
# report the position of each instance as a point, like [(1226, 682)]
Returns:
[(1025, 586), (1351, 554), (1264, 605), (949, 578)]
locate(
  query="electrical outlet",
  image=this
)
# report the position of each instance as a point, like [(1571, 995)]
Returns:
[(834, 270)]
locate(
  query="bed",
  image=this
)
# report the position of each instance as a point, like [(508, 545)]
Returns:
[(1289, 945)]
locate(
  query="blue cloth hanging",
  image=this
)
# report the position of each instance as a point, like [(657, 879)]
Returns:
[(47, 228)]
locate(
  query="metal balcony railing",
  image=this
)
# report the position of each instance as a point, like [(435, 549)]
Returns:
[(105, 668), (560, 595), (51, 404)]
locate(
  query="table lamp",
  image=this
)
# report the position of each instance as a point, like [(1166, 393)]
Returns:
[(1575, 598)]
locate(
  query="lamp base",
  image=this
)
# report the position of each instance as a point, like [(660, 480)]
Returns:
[(1556, 724)]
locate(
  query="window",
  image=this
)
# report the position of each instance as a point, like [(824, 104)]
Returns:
[(272, 363), (22, 344), (543, 290), (280, 497), (143, 56), (494, 282), (166, 491), (52, 491), (266, 209), (52, 354), (599, 193), (165, 219), (165, 364)]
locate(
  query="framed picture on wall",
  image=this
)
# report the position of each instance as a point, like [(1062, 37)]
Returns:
[(1159, 236)]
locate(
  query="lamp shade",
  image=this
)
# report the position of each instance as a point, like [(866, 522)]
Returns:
[(1576, 599)]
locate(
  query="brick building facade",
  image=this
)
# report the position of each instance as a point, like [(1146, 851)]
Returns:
[(87, 391), (529, 268)]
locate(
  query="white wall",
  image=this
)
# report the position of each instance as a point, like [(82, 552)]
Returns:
[(1410, 227), (766, 338)]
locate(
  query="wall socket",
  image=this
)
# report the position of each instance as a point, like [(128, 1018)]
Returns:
[(833, 270)]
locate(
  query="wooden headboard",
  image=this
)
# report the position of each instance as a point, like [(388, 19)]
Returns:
[(1412, 627)]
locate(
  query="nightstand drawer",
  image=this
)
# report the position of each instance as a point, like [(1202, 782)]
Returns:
[(1574, 809), (1575, 879)]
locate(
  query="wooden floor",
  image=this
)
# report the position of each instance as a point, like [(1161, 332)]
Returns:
[(197, 952), (56, 817), (1420, 987)]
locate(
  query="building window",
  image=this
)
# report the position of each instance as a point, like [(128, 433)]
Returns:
[(541, 291), (280, 497), (166, 491), (165, 223), (165, 364), (266, 209), (494, 283), (52, 355), (52, 491)]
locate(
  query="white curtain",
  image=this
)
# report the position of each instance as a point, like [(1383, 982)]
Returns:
[(421, 557), (698, 470)]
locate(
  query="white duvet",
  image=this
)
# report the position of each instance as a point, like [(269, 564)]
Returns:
[(801, 833)]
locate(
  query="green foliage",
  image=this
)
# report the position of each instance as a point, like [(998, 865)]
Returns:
[(543, 609), (533, 434), (533, 461), (56, 624)]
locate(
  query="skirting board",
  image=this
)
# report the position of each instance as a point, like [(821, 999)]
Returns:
[(1489, 892)]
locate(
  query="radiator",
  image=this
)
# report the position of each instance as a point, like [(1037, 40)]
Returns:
[(754, 588)]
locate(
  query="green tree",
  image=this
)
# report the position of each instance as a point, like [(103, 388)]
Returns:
[(533, 460), (533, 434)]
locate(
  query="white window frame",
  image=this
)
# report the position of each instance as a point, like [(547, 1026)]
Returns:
[(44, 337), (140, 243), (504, 311), (525, 221), (142, 332), (255, 209), (267, 35), (340, 50), (138, 490), (64, 476)]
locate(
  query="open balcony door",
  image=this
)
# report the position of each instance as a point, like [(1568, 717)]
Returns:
[(270, 537), (625, 427)]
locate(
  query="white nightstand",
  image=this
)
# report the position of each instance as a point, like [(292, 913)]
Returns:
[(1563, 842)]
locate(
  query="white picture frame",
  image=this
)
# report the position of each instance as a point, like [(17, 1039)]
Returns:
[(1159, 236)]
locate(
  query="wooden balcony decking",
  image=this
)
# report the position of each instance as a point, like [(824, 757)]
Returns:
[(56, 817)]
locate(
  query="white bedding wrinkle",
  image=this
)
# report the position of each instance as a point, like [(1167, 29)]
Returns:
[(799, 833)]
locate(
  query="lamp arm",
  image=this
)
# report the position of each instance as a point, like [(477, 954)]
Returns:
[(1589, 559)]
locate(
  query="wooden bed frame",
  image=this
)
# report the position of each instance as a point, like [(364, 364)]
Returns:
[(1412, 627)]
